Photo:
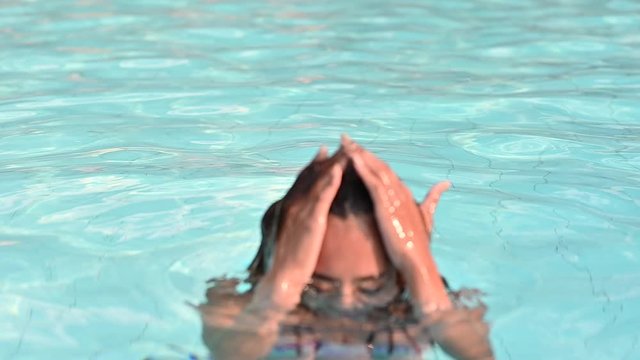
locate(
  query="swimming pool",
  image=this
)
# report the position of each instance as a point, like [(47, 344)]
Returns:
[(141, 142)]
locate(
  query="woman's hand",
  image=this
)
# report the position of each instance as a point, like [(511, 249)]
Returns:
[(405, 228), (300, 232), (233, 331), (428, 205)]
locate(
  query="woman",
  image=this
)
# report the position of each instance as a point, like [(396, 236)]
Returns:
[(346, 249)]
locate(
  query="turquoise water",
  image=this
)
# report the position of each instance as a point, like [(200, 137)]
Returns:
[(140, 143)]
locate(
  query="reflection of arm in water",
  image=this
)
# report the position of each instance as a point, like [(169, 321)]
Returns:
[(302, 217), (247, 327)]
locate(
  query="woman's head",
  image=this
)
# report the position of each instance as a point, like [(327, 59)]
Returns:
[(353, 269)]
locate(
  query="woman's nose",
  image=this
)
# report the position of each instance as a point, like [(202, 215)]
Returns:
[(347, 297)]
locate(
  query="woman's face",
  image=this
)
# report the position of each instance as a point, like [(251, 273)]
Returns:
[(353, 273)]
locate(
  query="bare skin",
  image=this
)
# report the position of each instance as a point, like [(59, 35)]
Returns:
[(311, 253), (304, 212), (405, 233)]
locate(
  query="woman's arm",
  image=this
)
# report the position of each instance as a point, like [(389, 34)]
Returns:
[(406, 232), (248, 331)]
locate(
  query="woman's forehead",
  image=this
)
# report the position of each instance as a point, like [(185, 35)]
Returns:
[(352, 248)]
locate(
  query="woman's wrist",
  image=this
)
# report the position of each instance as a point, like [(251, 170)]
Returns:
[(277, 293), (428, 294)]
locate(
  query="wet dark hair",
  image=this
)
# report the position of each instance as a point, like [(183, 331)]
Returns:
[(352, 199)]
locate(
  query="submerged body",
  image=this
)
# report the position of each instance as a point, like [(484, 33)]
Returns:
[(305, 335), (344, 261), (387, 333)]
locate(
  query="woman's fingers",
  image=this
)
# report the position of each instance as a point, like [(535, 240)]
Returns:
[(430, 202), (378, 168), (327, 186), (345, 140), (308, 178), (381, 179), (366, 173), (322, 154), (431, 199), (383, 185)]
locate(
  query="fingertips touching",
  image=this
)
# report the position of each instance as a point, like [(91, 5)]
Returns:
[(345, 140), (348, 144)]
